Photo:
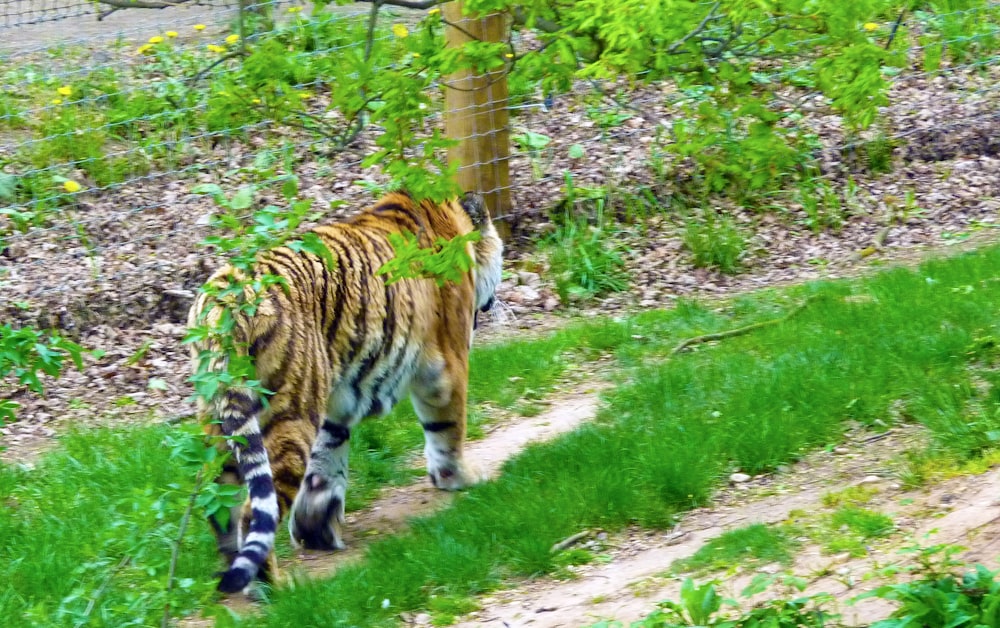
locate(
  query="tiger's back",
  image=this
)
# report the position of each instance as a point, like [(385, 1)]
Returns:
[(336, 345)]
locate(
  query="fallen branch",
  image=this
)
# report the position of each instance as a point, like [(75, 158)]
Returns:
[(100, 590), (117, 5), (739, 331), (570, 541)]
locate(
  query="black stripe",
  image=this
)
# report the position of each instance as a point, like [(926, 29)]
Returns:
[(263, 522), (294, 267), (399, 209), (254, 444), (245, 403), (260, 487), (324, 274), (438, 426), (344, 260), (285, 477), (338, 434), (388, 333), (263, 340)]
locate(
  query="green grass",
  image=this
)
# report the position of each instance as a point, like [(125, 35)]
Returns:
[(850, 529), (86, 537), (673, 429), (756, 544)]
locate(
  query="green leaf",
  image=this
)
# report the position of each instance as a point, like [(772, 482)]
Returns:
[(8, 187), (576, 151), (243, 198)]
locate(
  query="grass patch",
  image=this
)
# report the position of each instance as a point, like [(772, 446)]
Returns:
[(850, 496), (756, 544), (86, 537), (445, 609), (671, 431), (850, 529)]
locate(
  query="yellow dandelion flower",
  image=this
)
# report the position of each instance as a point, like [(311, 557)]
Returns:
[(305, 95), (214, 48), (416, 55), (171, 34), (294, 9), (144, 49), (509, 55), (870, 26), (256, 101), (199, 27), (433, 11), (400, 30), (156, 39), (65, 90), (232, 39), (71, 186), (57, 101)]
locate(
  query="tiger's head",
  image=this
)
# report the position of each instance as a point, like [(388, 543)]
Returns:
[(487, 252)]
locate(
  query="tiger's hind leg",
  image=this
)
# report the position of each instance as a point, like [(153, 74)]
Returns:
[(439, 392), (317, 519)]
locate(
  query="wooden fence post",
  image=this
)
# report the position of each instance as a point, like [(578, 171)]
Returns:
[(476, 114)]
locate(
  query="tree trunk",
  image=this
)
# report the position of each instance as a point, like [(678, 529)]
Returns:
[(476, 115)]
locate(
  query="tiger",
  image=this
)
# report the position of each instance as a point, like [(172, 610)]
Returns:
[(334, 345)]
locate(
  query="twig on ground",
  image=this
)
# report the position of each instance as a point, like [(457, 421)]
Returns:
[(739, 331), (100, 590), (569, 541)]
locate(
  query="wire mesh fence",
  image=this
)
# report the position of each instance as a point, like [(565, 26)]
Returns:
[(104, 133)]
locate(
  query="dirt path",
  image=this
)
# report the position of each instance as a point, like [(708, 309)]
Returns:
[(389, 513), (963, 510)]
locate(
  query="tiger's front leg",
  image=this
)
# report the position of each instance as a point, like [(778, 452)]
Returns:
[(439, 393)]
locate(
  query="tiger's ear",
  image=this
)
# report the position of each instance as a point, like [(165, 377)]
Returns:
[(475, 207)]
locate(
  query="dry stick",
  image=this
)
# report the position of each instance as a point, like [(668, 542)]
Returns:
[(100, 590), (739, 331), (177, 546), (567, 542), (895, 27)]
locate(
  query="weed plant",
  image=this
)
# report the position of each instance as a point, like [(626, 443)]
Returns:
[(715, 241), (756, 544), (584, 259)]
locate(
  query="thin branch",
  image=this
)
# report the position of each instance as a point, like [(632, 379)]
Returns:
[(569, 541), (100, 590), (408, 4), (177, 546), (739, 331), (697, 29), (141, 4), (204, 71), (895, 27)]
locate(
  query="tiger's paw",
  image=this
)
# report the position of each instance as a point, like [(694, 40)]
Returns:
[(451, 475), (318, 514)]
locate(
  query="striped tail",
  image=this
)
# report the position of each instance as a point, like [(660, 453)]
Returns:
[(239, 411)]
